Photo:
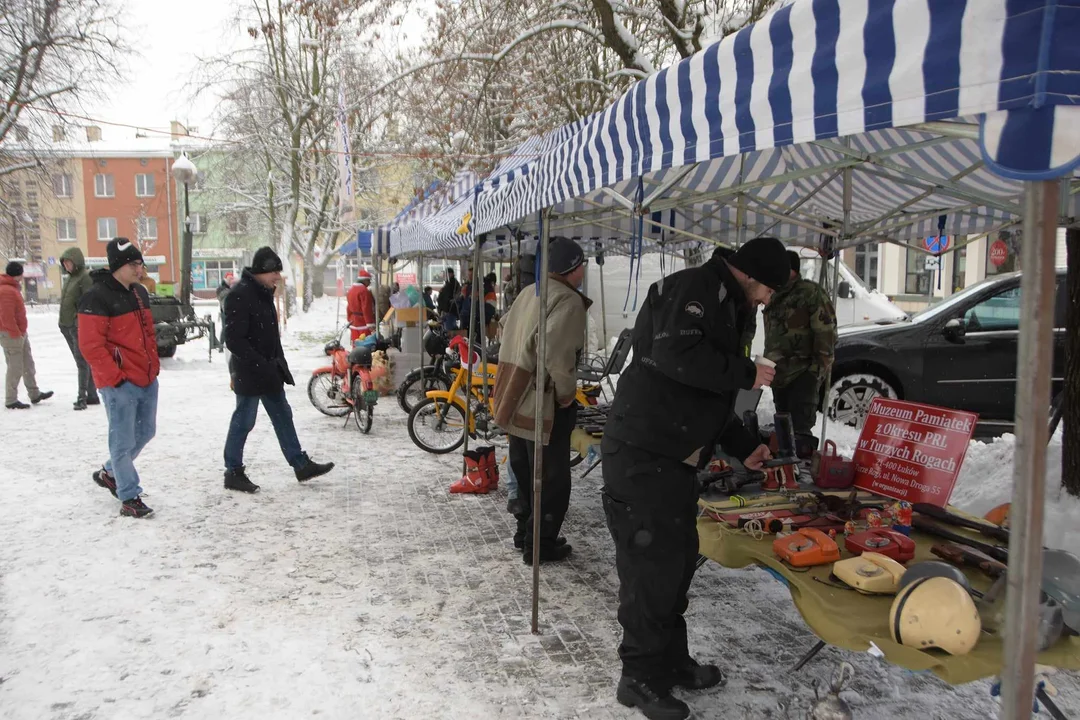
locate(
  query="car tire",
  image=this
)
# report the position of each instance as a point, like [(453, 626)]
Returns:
[(851, 395), (166, 351)]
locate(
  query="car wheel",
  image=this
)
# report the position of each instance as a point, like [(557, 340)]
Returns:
[(166, 351), (850, 397)]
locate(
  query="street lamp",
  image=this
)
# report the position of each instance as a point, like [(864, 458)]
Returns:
[(185, 172)]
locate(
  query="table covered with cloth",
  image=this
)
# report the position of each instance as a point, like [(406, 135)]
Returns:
[(851, 620)]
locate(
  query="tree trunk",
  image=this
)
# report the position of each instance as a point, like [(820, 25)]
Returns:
[(318, 283), (1070, 455), (309, 276)]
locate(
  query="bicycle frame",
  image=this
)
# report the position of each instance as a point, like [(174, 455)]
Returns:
[(339, 367)]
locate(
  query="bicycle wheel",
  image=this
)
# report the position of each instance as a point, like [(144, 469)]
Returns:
[(437, 427), (362, 411), (410, 392), (324, 392)]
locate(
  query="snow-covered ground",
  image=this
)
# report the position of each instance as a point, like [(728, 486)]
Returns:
[(369, 593)]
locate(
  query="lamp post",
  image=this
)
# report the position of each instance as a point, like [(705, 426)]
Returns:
[(185, 172)]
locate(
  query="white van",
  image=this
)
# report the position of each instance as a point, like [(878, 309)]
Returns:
[(856, 303)]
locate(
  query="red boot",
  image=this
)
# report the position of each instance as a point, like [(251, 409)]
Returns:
[(771, 482), (489, 465), (473, 481), (790, 481)]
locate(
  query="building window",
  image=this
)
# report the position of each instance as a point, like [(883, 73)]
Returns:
[(215, 272), (65, 230), (866, 264), (916, 276), (106, 229), (146, 227), (199, 223), (236, 223), (103, 186), (63, 186), (144, 185), (959, 269)]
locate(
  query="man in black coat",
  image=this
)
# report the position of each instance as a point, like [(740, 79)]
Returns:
[(674, 404), (259, 372)]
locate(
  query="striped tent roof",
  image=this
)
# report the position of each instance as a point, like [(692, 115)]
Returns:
[(938, 107)]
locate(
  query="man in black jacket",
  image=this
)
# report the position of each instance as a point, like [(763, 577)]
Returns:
[(259, 372), (673, 405)]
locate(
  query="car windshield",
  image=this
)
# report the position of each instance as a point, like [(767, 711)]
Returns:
[(951, 302)]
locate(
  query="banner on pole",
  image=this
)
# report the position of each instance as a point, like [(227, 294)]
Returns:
[(346, 199)]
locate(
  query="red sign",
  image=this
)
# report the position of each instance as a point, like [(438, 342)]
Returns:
[(340, 286), (999, 253), (405, 279), (912, 452)]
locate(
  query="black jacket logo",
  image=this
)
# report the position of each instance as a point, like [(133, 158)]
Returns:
[(694, 308)]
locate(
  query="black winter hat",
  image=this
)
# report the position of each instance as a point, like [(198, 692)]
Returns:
[(13, 269), (266, 261), (764, 259), (120, 252), (795, 260), (566, 256)]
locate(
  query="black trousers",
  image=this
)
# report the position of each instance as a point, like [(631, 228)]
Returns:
[(651, 507), (555, 492), (87, 390), (799, 398)]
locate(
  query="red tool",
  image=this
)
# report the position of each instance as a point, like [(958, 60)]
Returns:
[(886, 542), (831, 471), (806, 547)]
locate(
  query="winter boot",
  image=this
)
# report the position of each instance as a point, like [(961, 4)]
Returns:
[(135, 508), (311, 469), (80, 404), (655, 703), (238, 480), (489, 466), (694, 676), (42, 396), (770, 482), (95, 400), (473, 481), (105, 480), (17, 405), (519, 541), (548, 553)]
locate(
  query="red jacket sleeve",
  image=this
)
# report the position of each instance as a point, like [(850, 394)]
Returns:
[(20, 314), (92, 332), (367, 307), (352, 305)]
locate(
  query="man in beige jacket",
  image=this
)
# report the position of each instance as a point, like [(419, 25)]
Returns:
[(515, 394)]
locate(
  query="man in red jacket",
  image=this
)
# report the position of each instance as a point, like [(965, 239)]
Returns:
[(116, 336), (361, 307), (20, 363)]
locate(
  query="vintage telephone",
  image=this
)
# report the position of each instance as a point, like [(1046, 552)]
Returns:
[(871, 573), (806, 547), (883, 541)]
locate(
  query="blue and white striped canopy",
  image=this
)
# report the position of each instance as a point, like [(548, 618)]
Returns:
[(938, 107)]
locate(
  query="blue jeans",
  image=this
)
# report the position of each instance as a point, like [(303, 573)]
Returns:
[(132, 414), (511, 483), (243, 420)]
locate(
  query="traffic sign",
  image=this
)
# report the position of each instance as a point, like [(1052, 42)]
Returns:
[(933, 262), (999, 253), (937, 244)]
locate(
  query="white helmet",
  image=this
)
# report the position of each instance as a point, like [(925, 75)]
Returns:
[(935, 612)]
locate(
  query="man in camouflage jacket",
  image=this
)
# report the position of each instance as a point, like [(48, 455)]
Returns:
[(800, 337)]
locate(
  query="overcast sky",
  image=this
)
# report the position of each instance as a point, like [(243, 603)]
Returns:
[(170, 38)]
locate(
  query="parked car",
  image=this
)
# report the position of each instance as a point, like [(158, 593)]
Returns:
[(960, 354)]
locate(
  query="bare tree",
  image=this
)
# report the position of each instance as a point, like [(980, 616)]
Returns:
[(52, 54)]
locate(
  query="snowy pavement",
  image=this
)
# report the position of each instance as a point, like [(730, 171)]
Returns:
[(369, 593)]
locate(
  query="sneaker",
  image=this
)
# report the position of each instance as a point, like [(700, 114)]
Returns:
[(135, 508), (694, 676), (42, 396), (17, 405), (311, 469), (238, 480), (555, 553), (80, 404), (654, 703), (105, 480), (93, 400)]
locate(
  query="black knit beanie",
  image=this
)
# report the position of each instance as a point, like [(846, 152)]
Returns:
[(13, 269), (121, 251), (266, 261), (764, 259), (566, 256)]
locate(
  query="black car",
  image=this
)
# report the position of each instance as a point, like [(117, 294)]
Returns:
[(959, 354)]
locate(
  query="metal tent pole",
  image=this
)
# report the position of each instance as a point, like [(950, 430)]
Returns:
[(422, 319), (542, 283), (603, 300), (468, 344), (1035, 365), (835, 296)]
